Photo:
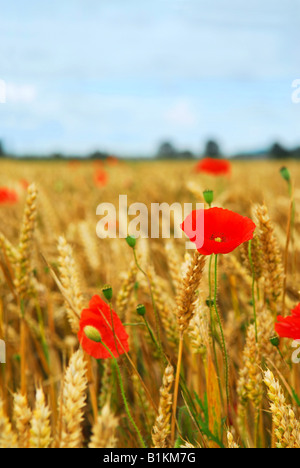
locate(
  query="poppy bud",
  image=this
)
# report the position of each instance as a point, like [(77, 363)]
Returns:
[(275, 341), (95, 334), (209, 303), (107, 292), (285, 174), (208, 196), (131, 241), (92, 334), (141, 310)]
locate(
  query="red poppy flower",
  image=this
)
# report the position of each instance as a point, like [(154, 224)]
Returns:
[(24, 184), (112, 160), (217, 230), (98, 316), (214, 166), (101, 178), (8, 196), (98, 164), (74, 164), (289, 327)]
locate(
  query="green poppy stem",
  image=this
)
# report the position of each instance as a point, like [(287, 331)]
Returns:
[(113, 327), (124, 396), (151, 333), (225, 355), (157, 321), (212, 324)]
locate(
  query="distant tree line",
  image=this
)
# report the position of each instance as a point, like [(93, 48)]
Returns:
[(278, 151), (212, 149), (96, 155), (167, 150)]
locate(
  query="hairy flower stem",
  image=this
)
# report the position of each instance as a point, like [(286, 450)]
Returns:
[(116, 365), (212, 327), (176, 388), (212, 323), (113, 327), (92, 387), (151, 332), (225, 355), (253, 288), (133, 366), (157, 321)]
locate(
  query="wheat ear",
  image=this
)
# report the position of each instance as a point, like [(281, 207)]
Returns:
[(230, 441), (24, 270), (272, 262), (22, 417), (104, 430), (161, 428), (286, 426), (72, 402), (8, 438), (250, 380), (40, 430), (70, 282), (187, 296)]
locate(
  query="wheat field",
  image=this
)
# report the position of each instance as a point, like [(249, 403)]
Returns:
[(54, 395)]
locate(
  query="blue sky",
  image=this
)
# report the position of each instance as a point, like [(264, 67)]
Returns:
[(123, 75)]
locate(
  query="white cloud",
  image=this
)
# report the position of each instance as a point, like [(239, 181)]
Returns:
[(181, 113), (2, 92), (23, 93)]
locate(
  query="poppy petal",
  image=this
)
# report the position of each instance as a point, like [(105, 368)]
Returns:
[(217, 231), (112, 332), (289, 327)]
